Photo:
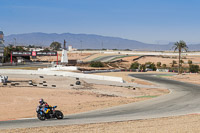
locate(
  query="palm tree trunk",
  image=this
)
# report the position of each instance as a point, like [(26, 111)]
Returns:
[(179, 60)]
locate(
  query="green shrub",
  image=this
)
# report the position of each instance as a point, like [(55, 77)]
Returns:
[(96, 64), (164, 65), (134, 65), (194, 68), (150, 65), (173, 63), (189, 62), (158, 64), (143, 67)]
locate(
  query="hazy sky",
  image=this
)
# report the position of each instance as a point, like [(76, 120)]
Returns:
[(150, 21)]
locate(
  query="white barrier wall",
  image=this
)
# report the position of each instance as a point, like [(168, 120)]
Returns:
[(59, 73), (60, 67)]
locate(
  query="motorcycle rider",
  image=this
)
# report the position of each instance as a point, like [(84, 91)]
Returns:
[(44, 105)]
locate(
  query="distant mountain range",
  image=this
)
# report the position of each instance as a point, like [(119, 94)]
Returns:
[(87, 41)]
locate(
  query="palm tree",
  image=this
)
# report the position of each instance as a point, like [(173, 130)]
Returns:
[(179, 46)]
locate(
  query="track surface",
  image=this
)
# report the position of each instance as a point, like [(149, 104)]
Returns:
[(107, 58), (183, 99)]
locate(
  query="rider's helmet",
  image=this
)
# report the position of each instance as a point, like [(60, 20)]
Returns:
[(41, 101)]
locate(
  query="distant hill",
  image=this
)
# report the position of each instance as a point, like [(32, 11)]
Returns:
[(88, 41)]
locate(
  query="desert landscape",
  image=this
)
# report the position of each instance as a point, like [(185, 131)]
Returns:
[(85, 100), (24, 98), (99, 66)]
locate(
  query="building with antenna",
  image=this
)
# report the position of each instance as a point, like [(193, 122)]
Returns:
[(1, 46)]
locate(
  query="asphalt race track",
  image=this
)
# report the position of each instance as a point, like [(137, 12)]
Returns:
[(183, 99), (107, 58)]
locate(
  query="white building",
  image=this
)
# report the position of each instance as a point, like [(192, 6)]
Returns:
[(36, 49), (70, 48)]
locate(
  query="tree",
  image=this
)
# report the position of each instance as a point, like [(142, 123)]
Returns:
[(7, 52), (164, 65), (9, 49), (173, 63), (181, 62), (55, 45), (143, 67), (158, 64), (189, 62), (46, 50), (179, 46), (134, 65), (150, 65), (19, 48), (194, 68)]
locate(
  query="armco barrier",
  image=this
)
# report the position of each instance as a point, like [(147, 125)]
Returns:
[(61, 73)]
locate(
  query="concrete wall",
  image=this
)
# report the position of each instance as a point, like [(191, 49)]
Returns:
[(61, 73), (59, 67)]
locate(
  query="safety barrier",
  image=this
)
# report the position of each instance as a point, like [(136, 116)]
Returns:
[(62, 73)]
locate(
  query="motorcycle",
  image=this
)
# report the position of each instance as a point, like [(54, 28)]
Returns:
[(52, 113)]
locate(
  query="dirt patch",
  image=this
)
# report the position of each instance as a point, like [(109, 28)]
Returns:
[(20, 101)]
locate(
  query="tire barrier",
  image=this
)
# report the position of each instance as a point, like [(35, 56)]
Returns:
[(101, 71), (78, 82), (3, 79), (53, 85), (12, 84), (66, 74)]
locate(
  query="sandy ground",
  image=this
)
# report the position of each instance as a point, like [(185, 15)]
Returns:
[(20, 101), (164, 60), (126, 78), (191, 77), (168, 61), (177, 124)]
